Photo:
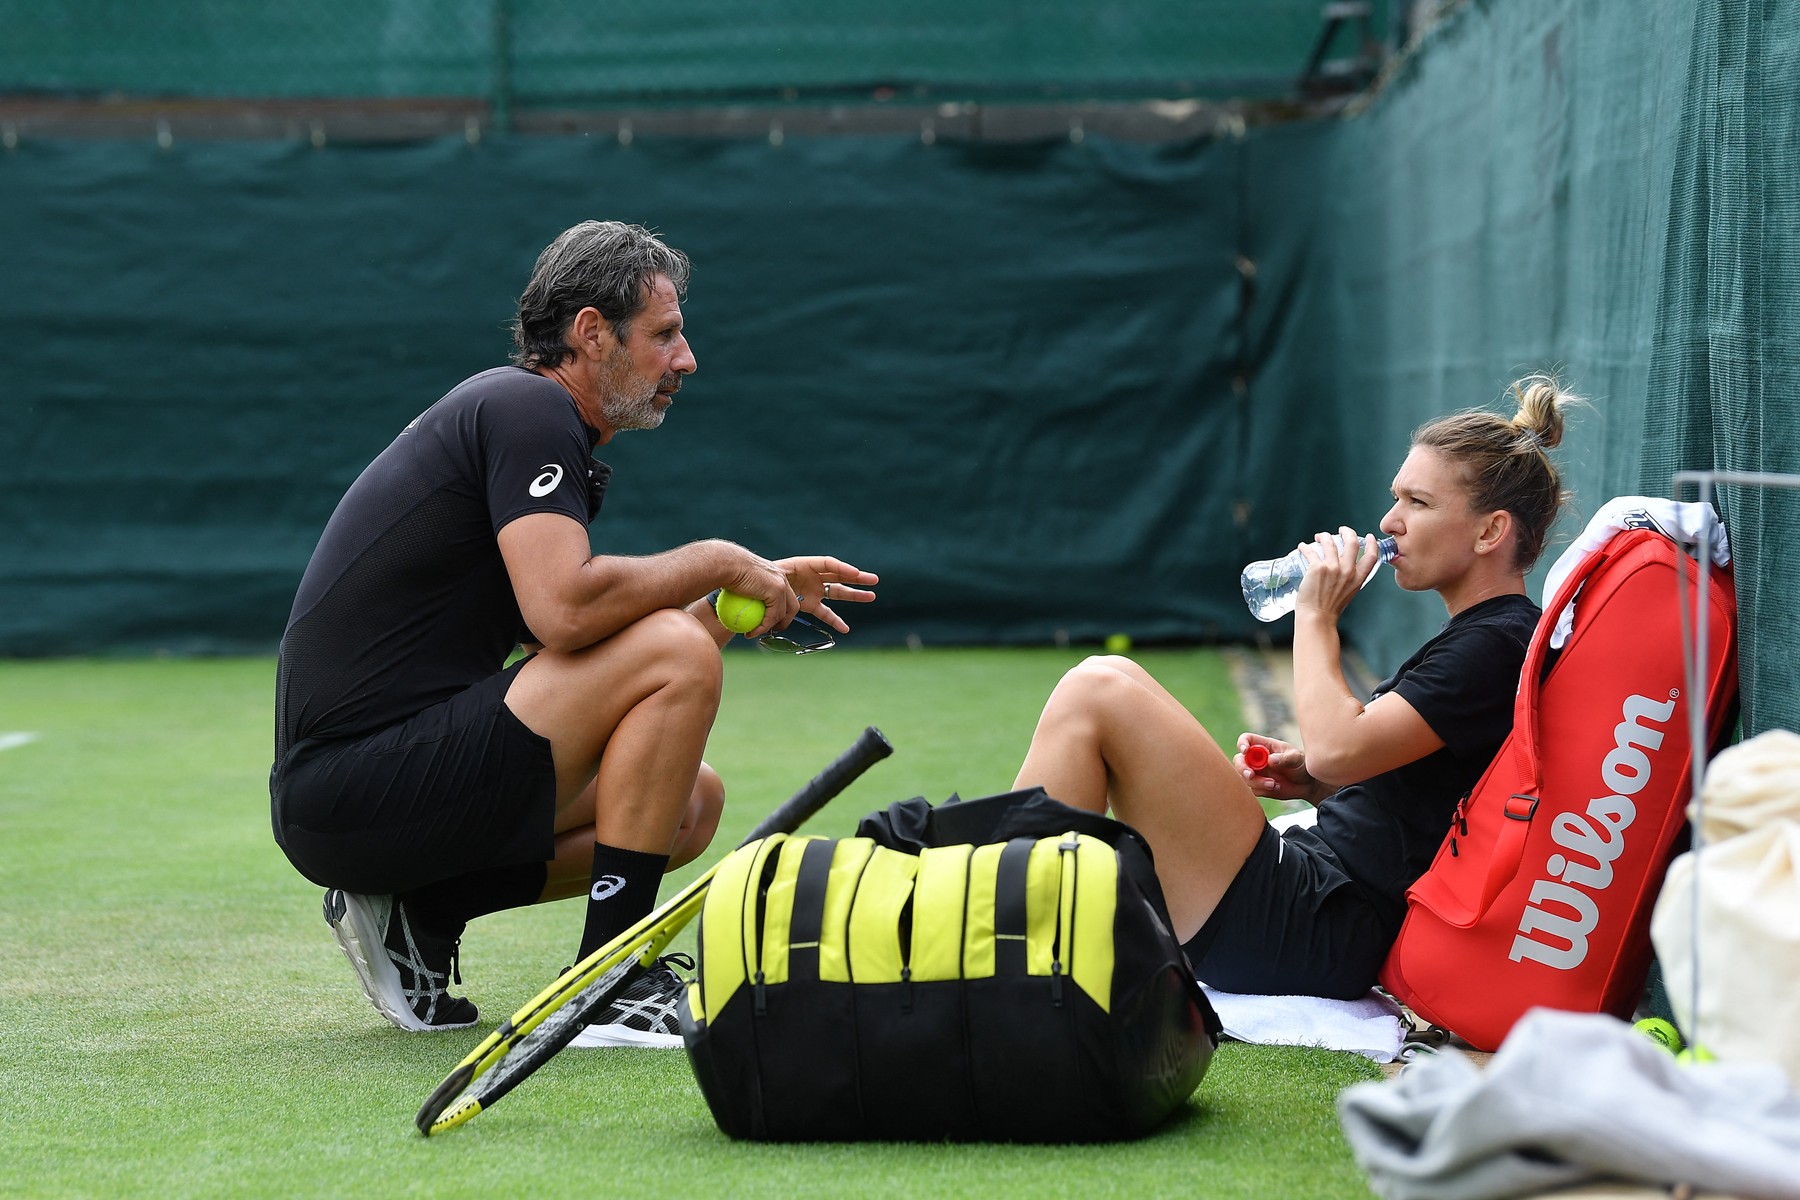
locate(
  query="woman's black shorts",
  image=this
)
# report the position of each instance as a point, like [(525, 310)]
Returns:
[(1293, 924)]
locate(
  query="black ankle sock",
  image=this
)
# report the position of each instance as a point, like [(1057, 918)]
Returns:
[(622, 890), (446, 906)]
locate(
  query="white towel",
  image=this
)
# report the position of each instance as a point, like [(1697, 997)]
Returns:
[(1680, 520), (1371, 1026)]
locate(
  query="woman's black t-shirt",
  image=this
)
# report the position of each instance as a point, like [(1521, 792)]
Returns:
[(1385, 830)]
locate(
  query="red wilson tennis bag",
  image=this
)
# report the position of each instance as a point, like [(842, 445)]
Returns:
[(1541, 895)]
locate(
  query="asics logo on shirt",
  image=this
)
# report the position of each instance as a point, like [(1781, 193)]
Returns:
[(606, 885), (546, 483)]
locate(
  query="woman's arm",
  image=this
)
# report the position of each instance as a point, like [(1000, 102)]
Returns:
[(1346, 740)]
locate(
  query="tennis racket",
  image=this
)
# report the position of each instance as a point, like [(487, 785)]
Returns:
[(550, 1021)]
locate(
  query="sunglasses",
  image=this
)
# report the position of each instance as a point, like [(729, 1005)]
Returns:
[(802, 635)]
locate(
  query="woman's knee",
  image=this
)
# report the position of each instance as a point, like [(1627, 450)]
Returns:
[(1097, 684), (1107, 696)]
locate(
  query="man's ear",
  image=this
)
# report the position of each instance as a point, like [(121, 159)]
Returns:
[(590, 334), (1495, 532)]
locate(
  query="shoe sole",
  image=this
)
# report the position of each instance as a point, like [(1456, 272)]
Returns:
[(358, 935), (596, 1037)]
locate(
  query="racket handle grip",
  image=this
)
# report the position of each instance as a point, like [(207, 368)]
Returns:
[(869, 748)]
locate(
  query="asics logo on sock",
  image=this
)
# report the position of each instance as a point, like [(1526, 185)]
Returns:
[(606, 885), (546, 483)]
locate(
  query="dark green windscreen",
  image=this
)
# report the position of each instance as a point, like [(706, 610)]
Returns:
[(1000, 376), (1609, 191), (549, 52), (1048, 387)]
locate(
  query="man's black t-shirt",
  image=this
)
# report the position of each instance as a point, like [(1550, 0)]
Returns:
[(406, 601), (1385, 830)]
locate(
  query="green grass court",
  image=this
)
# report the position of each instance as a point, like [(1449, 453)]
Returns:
[(183, 1025)]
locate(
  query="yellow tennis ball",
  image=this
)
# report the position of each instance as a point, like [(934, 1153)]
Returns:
[(1118, 643), (1661, 1032), (1695, 1054), (740, 614)]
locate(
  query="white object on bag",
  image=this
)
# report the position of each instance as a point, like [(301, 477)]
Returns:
[(1682, 521), (1745, 910)]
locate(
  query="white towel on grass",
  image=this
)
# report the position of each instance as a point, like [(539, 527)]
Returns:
[(1371, 1026)]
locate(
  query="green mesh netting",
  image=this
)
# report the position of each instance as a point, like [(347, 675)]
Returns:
[(1049, 387)]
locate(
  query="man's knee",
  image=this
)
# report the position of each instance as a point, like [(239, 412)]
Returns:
[(682, 647), (662, 649)]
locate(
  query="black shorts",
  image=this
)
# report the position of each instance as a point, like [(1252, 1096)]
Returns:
[(1293, 924), (460, 787)]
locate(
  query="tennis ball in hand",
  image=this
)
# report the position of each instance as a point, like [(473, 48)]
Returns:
[(740, 614)]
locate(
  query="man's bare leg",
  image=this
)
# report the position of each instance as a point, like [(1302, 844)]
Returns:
[(568, 871), (627, 719), (630, 715)]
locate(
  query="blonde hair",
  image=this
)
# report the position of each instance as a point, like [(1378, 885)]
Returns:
[(1505, 462)]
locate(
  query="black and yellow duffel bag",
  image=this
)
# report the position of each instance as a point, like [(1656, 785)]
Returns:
[(997, 969)]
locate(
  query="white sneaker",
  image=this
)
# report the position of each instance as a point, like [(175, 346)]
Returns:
[(404, 971), (643, 1015)]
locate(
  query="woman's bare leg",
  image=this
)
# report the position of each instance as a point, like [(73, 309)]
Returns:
[(1111, 737)]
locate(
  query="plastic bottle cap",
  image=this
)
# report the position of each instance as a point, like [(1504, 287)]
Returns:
[(1256, 757)]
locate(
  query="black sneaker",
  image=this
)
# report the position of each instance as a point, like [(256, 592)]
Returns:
[(404, 971), (643, 1015)]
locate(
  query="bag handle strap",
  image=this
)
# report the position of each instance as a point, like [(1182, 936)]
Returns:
[(1010, 906), (1525, 723), (807, 926), (1521, 806)]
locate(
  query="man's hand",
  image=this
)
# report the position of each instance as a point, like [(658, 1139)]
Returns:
[(818, 579), (761, 579)]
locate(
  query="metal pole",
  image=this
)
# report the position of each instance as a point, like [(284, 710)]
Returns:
[(1694, 670)]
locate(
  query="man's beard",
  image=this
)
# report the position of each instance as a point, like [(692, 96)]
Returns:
[(633, 408), (626, 401)]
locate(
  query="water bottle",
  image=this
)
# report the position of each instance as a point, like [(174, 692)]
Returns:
[(1272, 585)]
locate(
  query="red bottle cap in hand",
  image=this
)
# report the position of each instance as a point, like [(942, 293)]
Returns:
[(1256, 757)]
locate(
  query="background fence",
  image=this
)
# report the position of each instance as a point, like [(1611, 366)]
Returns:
[(1062, 385), (557, 52)]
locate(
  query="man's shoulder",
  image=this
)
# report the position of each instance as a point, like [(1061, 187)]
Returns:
[(504, 385), (501, 399)]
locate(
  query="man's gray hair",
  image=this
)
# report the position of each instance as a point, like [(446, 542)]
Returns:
[(605, 265)]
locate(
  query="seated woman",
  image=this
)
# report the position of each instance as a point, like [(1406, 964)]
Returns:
[(1314, 911)]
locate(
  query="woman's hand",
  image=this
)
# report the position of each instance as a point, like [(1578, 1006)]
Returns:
[(1334, 575), (1283, 776)]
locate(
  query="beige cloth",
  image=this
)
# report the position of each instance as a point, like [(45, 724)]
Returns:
[(1745, 909)]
